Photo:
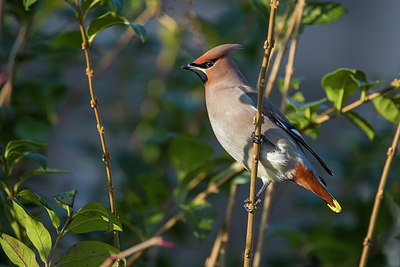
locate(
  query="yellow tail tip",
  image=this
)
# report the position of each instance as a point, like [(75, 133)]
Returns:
[(336, 208)]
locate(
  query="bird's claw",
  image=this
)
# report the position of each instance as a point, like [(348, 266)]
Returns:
[(255, 205), (261, 139)]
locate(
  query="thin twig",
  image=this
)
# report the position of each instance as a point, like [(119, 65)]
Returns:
[(6, 91), (59, 235), (258, 120), (220, 244), (281, 52), (293, 27), (263, 225), (325, 116), (154, 241), (378, 198), (292, 52), (212, 188), (95, 105)]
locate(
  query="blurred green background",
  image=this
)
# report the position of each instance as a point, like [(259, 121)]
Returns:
[(147, 102)]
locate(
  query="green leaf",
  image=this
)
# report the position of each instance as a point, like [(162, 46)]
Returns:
[(188, 153), (322, 13), (105, 21), (200, 215), (93, 217), (12, 145), (364, 125), (39, 171), (67, 198), (17, 251), (341, 84), (388, 108), (34, 198), (28, 3), (300, 105), (35, 230), (87, 5), (139, 30), (89, 254)]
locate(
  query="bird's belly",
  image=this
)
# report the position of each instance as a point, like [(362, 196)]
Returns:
[(238, 143)]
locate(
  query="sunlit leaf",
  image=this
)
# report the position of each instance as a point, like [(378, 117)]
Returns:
[(388, 108), (88, 253), (109, 19), (12, 145), (341, 84), (200, 215), (34, 198), (35, 230), (93, 217), (364, 125), (188, 153), (19, 253), (87, 5), (322, 13)]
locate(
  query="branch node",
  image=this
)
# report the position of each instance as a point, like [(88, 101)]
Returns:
[(94, 102), (390, 151), (89, 72), (367, 241), (106, 157)]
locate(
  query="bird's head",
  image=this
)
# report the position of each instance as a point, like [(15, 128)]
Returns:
[(213, 63)]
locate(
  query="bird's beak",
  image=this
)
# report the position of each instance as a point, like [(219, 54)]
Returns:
[(187, 67)]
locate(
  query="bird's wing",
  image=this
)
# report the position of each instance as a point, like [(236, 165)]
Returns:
[(274, 115)]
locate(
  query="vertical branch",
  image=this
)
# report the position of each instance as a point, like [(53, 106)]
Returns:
[(6, 91), (293, 27), (281, 51), (292, 53), (263, 225), (378, 198), (94, 104), (258, 120), (221, 241)]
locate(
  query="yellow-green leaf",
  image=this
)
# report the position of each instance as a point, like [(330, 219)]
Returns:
[(18, 252)]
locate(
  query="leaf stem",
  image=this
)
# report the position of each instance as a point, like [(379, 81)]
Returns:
[(378, 198), (95, 105), (59, 235), (258, 120)]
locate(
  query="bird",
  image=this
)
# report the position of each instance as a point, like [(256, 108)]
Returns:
[(231, 105)]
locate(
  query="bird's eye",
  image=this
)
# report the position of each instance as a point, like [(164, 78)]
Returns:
[(209, 64)]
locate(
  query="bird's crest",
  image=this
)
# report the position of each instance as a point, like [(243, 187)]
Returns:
[(218, 52)]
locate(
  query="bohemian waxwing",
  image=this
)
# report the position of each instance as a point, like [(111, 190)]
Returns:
[(231, 105)]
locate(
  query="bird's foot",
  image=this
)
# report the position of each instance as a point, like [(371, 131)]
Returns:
[(255, 205), (261, 139)]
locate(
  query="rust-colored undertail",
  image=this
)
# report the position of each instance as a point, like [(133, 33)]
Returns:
[(306, 178)]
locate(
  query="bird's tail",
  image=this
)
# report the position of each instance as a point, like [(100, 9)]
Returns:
[(306, 178)]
